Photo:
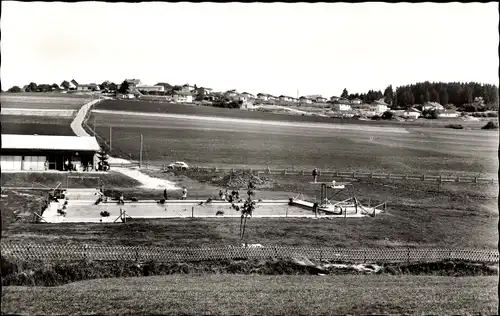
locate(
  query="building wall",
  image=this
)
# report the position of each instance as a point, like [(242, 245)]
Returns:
[(31, 160)]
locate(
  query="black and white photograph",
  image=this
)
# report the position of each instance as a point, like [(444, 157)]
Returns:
[(183, 158)]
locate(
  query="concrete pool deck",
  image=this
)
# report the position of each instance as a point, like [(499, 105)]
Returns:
[(86, 211)]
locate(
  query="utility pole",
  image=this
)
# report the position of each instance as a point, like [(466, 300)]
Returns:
[(140, 155), (94, 126), (110, 139)]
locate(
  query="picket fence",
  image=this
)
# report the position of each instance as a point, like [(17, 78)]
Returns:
[(44, 252)]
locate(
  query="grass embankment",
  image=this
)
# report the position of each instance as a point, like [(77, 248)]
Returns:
[(260, 295), (35, 273)]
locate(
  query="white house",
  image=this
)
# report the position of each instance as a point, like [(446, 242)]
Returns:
[(341, 107), (285, 98), (411, 114), (448, 113), (432, 106), (263, 96), (248, 95), (342, 101), (182, 97), (305, 100), (356, 101), (320, 99), (87, 87), (378, 107), (334, 99), (231, 94), (187, 88)]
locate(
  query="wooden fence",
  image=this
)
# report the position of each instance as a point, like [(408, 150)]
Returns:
[(158, 254), (333, 173)]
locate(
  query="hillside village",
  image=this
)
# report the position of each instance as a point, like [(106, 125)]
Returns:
[(316, 105)]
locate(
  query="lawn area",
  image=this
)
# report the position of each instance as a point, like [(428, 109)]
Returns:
[(43, 101), (260, 295), (51, 179), (363, 149), (456, 216), (41, 125)]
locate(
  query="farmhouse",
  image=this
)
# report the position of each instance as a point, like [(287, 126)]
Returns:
[(285, 98), (248, 95), (320, 99), (187, 88), (204, 91), (448, 113), (305, 100), (182, 97), (263, 96), (379, 106), (356, 101), (411, 114), (341, 107), (150, 88), (432, 106), (87, 87), (342, 101), (334, 99), (31, 152)]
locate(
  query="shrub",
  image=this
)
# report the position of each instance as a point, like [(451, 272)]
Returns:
[(490, 125), (104, 213), (388, 115), (492, 114), (376, 117), (455, 126)]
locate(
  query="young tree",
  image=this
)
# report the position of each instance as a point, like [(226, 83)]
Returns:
[(246, 210), (344, 94), (103, 157), (124, 87)]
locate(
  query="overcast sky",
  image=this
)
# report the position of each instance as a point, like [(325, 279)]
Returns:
[(274, 48)]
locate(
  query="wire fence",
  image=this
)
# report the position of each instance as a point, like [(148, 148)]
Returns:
[(329, 173), (158, 254)]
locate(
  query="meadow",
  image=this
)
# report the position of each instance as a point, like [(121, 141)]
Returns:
[(43, 100), (41, 125), (266, 115), (224, 294), (229, 143)]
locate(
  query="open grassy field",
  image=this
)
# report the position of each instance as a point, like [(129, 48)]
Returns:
[(176, 108), (43, 101), (41, 125), (260, 295), (340, 147)]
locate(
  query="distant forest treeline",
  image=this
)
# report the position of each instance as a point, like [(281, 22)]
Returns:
[(457, 93)]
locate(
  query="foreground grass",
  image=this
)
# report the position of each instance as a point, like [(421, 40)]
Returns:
[(260, 295), (50, 180)]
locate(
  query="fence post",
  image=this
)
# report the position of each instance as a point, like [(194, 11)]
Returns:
[(423, 177), (408, 255), (136, 255), (475, 179), (192, 211), (321, 254)]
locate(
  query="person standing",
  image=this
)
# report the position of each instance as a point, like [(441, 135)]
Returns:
[(46, 165), (184, 193), (66, 165), (165, 194), (315, 175)]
